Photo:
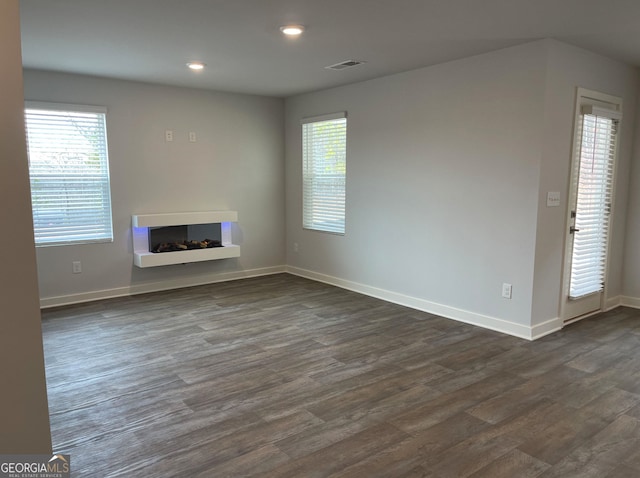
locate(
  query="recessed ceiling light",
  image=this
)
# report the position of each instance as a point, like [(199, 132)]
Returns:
[(292, 30), (196, 65)]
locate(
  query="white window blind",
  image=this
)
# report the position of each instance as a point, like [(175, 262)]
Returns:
[(598, 132), (69, 171), (324, 158)]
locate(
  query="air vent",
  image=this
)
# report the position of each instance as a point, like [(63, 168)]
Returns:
[(344, 64)]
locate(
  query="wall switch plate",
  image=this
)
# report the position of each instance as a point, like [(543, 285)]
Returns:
[(168, 135), (506, 291), (192, 137), (77, 267), (553, 199)]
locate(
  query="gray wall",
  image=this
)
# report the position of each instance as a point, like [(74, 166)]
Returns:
[(442, 183), (24, 418), (631, 271), (236, 164), (569, 67), (447, 175), (448, 171)]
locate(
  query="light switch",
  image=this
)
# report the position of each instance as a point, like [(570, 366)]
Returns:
[(553, 199)]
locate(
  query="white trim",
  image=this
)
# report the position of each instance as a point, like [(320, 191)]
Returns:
[(612, 302), (604, 112), (492, 323), (327, 117), (43, 105), (584, 316), (546, 328), (627, 301), (147, 287), (602, 100)]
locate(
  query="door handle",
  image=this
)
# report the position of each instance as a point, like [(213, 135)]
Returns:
[(572, 229)]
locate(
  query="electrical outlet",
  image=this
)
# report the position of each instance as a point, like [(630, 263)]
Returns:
[(506, 291), (77, 267), (296, 248), (168, 135), (192, 137)]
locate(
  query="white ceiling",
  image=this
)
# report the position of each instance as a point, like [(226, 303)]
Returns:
[(240, 41)]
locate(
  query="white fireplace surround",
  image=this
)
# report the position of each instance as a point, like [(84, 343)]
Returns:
[(143, 257)]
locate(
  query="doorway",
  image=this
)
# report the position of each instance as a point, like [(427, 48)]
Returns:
[(590, 203)]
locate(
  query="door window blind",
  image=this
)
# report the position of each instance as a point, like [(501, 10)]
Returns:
[(324, 144), (69, 171), (593, 207)]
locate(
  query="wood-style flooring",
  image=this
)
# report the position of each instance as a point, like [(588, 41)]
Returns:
[(280, 376)]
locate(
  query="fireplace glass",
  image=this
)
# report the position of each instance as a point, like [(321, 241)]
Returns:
[(187, 237)]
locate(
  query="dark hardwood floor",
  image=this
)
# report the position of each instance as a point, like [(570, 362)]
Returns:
[(284, 377)]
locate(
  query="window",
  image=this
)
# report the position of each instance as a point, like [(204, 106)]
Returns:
[(69, 171), (597, 133), (324, 166)]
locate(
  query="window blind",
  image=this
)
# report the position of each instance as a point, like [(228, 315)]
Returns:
[(69, 171), (324, 144), (593, 207)]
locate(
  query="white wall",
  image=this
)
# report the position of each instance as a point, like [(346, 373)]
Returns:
[(236, 164), (24, 418), (442, 186), (568, 68)]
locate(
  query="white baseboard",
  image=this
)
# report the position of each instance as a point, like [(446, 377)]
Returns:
[(630, 301), (492, 323), (612, 302), (546, 328), (147, 287)]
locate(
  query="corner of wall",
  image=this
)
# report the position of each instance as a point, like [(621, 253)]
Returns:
[(24, 415), (448, 312), (631, 263)]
